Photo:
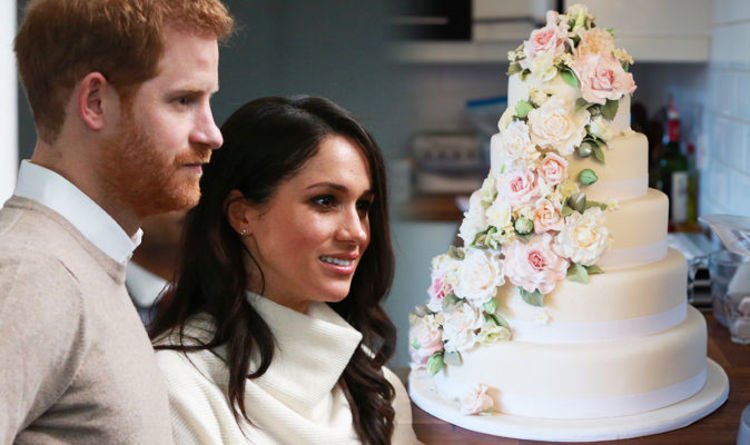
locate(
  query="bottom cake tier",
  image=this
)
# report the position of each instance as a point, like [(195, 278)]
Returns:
[(568, 381)]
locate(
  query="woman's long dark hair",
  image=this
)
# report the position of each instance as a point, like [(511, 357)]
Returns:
[(267, 141)]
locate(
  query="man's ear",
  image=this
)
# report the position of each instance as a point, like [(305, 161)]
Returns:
[(93, 99), (240, 213)]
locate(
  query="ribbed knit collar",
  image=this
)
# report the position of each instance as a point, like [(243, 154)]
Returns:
[(312, 351)]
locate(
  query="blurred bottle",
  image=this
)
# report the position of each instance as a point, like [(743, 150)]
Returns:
[(674, 170)]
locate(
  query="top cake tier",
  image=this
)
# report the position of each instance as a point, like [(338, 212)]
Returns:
[(519, 90)]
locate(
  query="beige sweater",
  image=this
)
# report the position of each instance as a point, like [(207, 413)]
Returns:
[(297, 401), (76, 365)]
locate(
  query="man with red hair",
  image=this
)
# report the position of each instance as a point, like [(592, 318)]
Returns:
[(120, 94)]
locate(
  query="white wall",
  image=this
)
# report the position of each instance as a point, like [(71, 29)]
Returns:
[(8, 101), (726, 179)]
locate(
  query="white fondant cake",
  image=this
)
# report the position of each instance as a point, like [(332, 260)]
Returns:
[(565, 301)]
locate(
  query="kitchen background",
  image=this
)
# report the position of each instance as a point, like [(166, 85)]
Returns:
[(417, 95)]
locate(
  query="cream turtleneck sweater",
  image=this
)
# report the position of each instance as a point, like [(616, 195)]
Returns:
[(297, 401)]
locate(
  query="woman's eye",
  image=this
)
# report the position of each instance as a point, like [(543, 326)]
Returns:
[(325, 201)]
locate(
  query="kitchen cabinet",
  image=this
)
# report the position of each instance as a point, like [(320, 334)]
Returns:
[(651, 30)]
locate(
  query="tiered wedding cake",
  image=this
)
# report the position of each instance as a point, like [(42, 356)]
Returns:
[(565, 301)]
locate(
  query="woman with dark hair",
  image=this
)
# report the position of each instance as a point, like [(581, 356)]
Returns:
[(273, 331)]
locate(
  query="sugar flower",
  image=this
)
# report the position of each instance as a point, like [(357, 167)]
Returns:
[(425, 339), (547, 41), (519, 186), (535, 265), (553, 169), (557, 125), (602, 77), (595, 41), (476, 401), (460, 327), (474, 219), (479, 275), (584, 237), (547, 216), (513, 143)]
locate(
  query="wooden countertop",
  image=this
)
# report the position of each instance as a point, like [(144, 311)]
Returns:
[(720, 427), (435, 207)]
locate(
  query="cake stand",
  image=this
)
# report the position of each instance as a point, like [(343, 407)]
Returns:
[(713, 394)]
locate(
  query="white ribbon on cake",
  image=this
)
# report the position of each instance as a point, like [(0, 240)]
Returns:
[(591, 408), (634, 256), (602, 407), (560, 332), (617, 190)]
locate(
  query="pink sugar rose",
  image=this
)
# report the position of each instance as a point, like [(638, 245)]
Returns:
[(425, 339), (602, 78), (553, 169), (519, 187), (547, 216), (476, 401), (535, 265), (547, 40), (437, 291)]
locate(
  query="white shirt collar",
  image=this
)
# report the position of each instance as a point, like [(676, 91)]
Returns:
[(52, 190), (144, 287)]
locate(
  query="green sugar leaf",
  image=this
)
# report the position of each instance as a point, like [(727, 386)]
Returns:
[(587, 176), (566, 211), (491, 306), (533, 298), (578, 273), (609, 109), (594, 270), (582, 103), (514, 68), (598, 153), (523, 107), (569, 77), (435, 363), (452, 358)]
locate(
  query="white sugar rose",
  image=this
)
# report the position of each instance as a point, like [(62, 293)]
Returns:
[(506, 118), (492, 333), (488, 191), (543, 68), (558, 126), (601, 128), (595, 41), (476, 401), (547, 216), (584, 237), (460, 326), (445, 267), (553, 169), (513, 143), (519, 186), (425, 339), (474, 219), (535, 265), (602, 77), (479, 275), (499, 214)]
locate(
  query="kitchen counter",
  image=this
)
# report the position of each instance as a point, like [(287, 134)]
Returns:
[(720, 427)]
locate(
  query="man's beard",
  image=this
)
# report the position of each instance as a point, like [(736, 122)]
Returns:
[(138, 176)]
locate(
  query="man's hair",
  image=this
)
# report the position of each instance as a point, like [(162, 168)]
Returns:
[(61, 41)]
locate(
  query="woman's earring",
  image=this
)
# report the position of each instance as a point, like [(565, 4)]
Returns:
[(243, 232)]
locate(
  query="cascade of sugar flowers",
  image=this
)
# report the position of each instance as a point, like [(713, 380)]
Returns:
[(530, 224)]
